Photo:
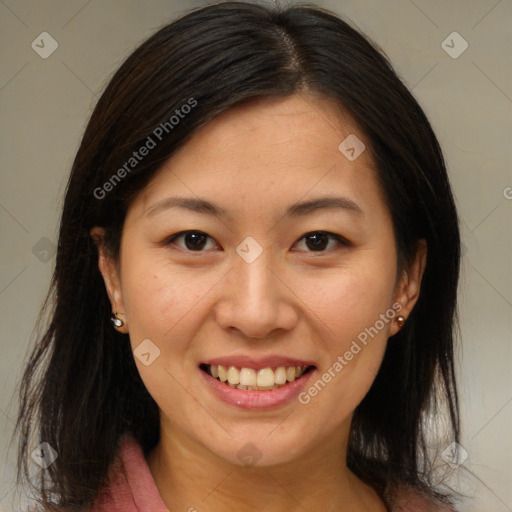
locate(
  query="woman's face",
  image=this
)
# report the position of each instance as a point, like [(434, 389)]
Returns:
[(251, 290)]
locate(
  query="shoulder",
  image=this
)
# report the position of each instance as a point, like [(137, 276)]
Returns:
[(408, 499)]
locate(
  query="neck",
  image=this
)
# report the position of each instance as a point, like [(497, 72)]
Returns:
[(190, 477)]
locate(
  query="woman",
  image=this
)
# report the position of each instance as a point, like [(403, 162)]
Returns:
[(255, 286)]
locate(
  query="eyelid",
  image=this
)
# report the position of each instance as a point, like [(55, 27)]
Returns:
[(339, 238), (170, 239)]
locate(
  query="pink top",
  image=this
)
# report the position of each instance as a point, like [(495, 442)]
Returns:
[(131, 487)]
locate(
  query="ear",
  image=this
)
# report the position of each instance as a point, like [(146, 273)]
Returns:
[(407, 289), (110, 272)]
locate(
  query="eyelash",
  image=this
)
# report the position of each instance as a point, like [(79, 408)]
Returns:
[(341, 240)]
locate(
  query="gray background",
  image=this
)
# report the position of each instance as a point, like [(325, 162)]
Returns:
[(45, 103)]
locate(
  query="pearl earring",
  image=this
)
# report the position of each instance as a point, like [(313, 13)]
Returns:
[(116, 321)]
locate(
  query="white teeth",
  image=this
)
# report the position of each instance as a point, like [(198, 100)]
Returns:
[(221, 370), (233, 375), (252, 380), (280, 375), (247, 377), (265, 377)]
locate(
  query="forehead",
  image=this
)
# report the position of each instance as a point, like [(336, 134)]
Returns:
[(264, 153), (275, 130)]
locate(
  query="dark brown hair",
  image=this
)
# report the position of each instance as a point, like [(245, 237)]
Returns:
[(81, 390)]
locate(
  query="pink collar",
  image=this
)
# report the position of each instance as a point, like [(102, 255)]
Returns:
[(131, 487)]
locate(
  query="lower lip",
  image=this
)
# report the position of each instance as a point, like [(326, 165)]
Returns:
[(258, 400)]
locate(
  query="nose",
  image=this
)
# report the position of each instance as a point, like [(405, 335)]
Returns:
[(256, 300)]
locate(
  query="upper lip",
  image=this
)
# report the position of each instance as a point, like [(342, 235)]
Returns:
[(258, 363)]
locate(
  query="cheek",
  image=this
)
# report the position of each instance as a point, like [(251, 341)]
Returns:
[(158, 297), (350, 302), (349, 299)]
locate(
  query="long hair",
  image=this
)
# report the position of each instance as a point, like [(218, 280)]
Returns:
[(81, 390)]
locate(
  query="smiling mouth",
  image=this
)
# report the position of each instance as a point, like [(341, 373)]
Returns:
[(264, 379)]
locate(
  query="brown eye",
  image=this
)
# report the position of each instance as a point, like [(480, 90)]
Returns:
[(317, 241), (195, 241)]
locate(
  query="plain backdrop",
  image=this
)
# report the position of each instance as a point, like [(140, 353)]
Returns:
[(466, 93)]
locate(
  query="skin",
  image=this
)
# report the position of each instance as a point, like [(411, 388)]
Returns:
[(254, 161)]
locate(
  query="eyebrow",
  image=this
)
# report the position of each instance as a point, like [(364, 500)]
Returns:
[(299, 209)]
